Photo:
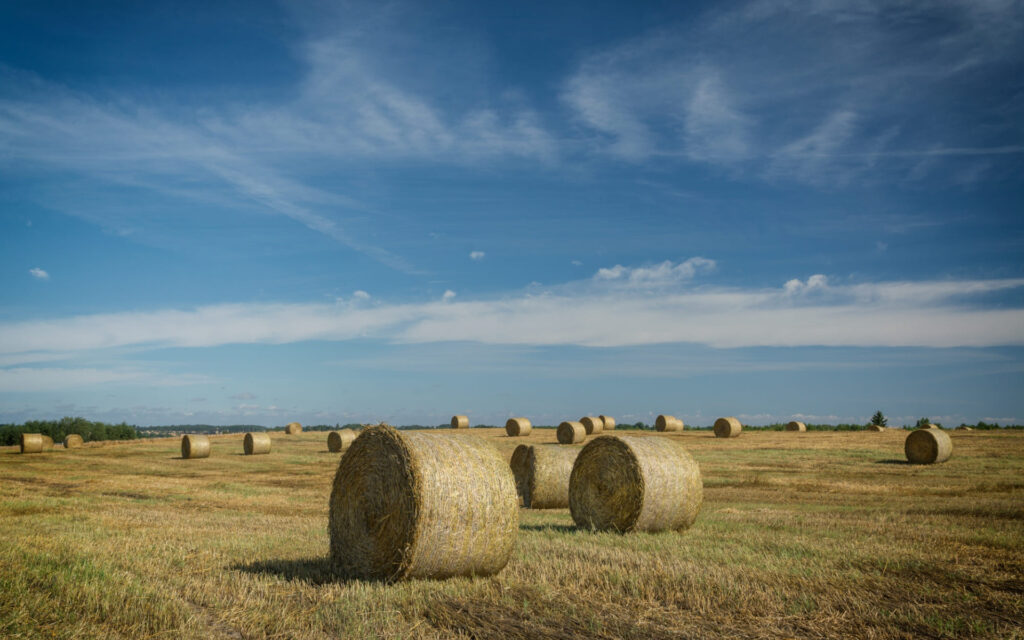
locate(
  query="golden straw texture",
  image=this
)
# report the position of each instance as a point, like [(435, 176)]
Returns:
[(796, 426), (460, 422), (875, 427), (518, 466), (964, 428), (195, 446), (256, 443), (728, 428), (293, 428), (73, 441), (928, 446), (635, 483), (609, 423), (592, 425), (31, 443), (548, 468), (338, 441), (571, 432), (421, 505), (518, 427), (668, 423)]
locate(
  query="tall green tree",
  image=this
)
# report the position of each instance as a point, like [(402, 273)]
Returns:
[(879, 419)]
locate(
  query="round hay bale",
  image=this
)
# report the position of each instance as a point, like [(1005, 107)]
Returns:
[(293, 428), (195, 446), (635, 483), (32, 443), (460, 422), (928, 446), (796, 426), (421, 505), (338, 441), (571, 432), (609, 423), (668, 423), (728, 428), (875, 427), (256, 443), (930, 426), (73, 441), (592, 425), (518, 466), (518, 427), (965, 428), (547, 471), (47, 442)]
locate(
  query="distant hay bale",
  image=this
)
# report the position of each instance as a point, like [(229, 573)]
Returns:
[(460, 422), (928, 446), (338, 441), (547, 471), (518, 466), (609, 422), (875, 427), (33, 442), (964, 428), (195, 446), (73, 441), (592, 425), (728, 428), (796, 426), (516, 427), (668, 423), (256, 443), (421, 505), (293, 428), (571, 432), (929, 426), (47, 442), (635, 483)]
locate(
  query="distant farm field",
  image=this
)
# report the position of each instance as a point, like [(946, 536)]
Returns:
[(803, 535)]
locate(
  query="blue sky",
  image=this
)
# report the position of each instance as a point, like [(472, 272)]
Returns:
[(335, 212)]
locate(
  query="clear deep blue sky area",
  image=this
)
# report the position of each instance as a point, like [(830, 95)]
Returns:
[(247, 212)]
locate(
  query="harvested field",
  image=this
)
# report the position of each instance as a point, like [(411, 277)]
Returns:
[(832, 534)]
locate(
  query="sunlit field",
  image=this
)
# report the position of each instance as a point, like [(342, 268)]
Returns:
[(805, 535)]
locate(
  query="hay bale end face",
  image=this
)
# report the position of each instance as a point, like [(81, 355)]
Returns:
[(195, 446), (518, 466), (609, 422), (635, 483), (73, 441), (547, 472), (728, 428), (796, 426), (571, 433), (592, 425), (421, 505), (338, 441), (292, 428), (460, 422), (256, 444), (928, 446), (668, 423), (516, 427), (32, 443)]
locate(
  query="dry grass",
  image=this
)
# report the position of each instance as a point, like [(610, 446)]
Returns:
[(831, 534)]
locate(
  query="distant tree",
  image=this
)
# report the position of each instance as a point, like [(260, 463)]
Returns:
[(879, 419), (923, 422)]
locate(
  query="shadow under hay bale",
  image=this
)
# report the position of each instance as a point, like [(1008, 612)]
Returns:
[(338, 441), (313, 571), (195, 446), (256, 444), (421, 505), (668, 423), (796, 426), (516, 427), (571, 433), (728, 428), (928, 446), (608, 423), (635, 483), (460, 422)]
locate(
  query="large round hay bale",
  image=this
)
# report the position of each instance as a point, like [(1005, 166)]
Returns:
[(635, 483), (875, 427), (460, 422), (668, 423), (195, 446), (518, 427), (292, 428), (421, 505), (796, 426), (571, 432), (927, 446), (728, 427), (338, 441), (547, 472), (73, 441), (32, 443), (609, 422), (518, 466), (256, 443), (592, 425)]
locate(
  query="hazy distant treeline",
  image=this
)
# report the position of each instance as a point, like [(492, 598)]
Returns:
[(10, 434)]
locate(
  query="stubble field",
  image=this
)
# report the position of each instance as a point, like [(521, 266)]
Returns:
[(803, 535)]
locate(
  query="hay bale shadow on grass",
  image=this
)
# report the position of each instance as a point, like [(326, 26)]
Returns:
[(313, 571), (891, 461), (558, 528)]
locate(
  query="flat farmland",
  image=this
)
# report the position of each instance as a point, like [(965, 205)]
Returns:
[(802, 535)]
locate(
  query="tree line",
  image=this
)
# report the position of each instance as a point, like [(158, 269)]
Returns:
[(10, 434)]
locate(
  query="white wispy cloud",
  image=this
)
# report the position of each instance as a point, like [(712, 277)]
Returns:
[(659, 275), (36, 272), (32, 379), (476, 255)]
